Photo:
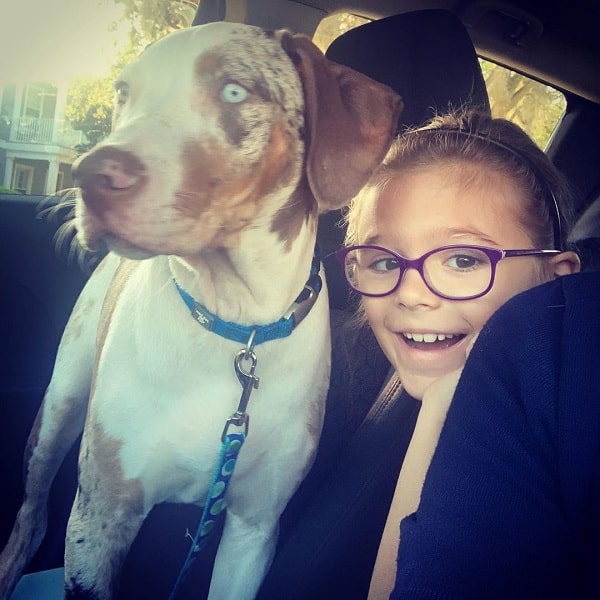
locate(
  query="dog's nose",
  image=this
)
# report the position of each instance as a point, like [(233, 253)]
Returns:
[(108, 172)]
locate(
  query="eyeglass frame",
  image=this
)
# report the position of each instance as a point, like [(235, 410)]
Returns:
[(495, 255)]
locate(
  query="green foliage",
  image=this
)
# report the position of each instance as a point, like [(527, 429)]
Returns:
[(90, 99), (153, 19), (333, 26), (535, 107), (89, 108)]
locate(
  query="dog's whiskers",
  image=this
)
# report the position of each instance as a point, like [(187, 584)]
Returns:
[(61, 207)]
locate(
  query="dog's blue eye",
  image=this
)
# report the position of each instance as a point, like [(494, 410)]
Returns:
[(121, 92), (233, 93)]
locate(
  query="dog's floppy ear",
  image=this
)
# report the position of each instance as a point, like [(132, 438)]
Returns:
[(350, 122)]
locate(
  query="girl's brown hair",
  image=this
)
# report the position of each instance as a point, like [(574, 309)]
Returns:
[(496, 144)]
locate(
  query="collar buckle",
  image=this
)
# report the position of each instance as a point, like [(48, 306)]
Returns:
[(302, 305)]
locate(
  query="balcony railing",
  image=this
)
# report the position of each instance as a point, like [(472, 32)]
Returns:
[(43, 131)]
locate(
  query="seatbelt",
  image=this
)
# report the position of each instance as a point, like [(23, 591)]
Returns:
[(332, 548)]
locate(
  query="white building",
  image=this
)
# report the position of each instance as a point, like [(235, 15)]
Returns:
[(37, 146)]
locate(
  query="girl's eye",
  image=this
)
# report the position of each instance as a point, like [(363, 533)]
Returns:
[(463, 262), (384, 265), (233, 93)]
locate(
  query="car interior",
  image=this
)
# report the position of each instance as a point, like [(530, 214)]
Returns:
[(429, 53)]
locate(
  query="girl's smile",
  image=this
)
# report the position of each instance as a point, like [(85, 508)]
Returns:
[(431, 352), (431, 341)]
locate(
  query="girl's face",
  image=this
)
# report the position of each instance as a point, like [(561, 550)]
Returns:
[(423, 209)]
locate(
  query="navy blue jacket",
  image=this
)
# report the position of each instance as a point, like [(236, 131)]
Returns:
[(511, 503)]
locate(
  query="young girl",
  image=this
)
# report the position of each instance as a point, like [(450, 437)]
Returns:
[(465, 213)]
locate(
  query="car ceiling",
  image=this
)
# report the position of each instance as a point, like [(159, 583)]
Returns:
[(556, 41)]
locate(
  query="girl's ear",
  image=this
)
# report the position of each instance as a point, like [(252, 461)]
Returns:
[(565, 263)]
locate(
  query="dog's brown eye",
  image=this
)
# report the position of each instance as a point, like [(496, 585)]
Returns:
[(121, 92), (233, 93)]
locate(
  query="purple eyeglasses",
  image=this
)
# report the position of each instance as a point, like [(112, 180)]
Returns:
[(451, 272)]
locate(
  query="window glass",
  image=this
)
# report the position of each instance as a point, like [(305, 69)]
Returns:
[(535, 107), (56, 82), (22, 178), (333, 26)]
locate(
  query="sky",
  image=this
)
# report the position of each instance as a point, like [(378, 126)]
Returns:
[(57, 40)]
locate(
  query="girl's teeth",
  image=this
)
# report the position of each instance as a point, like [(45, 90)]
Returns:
[(428, 337)]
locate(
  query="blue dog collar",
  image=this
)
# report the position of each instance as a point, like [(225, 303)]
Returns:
[(261, 333)]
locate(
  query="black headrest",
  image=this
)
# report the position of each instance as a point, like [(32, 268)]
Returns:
[(426, 56)]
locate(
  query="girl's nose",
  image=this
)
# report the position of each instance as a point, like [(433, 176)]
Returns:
[(413, 293)]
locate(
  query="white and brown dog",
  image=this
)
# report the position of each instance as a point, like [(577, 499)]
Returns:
[(227, 142)]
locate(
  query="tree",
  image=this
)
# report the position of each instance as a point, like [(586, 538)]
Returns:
[(153, 19), (333, 26), (89, 108), (533, 106), (90, 99)]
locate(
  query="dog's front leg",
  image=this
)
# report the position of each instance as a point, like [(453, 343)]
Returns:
[(58, 423), (255, 501), (106, 516), (245, 554)]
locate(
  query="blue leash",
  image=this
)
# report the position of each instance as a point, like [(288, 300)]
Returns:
[(230, 447), (215, 502), (231, 443)]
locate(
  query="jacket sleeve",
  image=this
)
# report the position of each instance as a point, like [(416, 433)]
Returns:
[(495, 519)]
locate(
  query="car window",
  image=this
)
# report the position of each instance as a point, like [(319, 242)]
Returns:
[(535, 107), (55, 99)]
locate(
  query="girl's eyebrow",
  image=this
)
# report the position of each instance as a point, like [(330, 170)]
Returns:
[(457, 232), (443, 234), (372, 240)]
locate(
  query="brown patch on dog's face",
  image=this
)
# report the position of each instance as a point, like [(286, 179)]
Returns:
[(219, 137), (224, 199), (264, 132)]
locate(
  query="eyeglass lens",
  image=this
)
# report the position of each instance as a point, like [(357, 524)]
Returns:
[(455, 272)]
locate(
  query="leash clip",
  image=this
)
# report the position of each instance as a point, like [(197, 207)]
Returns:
[(238, 419), (249, 381)]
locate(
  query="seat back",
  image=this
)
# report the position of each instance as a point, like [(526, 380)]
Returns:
[(428, 58)]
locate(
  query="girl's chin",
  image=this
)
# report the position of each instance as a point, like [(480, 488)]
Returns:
[(420, 365), (416, 385)]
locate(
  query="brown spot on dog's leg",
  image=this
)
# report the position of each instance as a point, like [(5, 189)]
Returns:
[(107, 514)]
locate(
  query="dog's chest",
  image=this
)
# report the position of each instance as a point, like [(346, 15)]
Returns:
[(164, 388)]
